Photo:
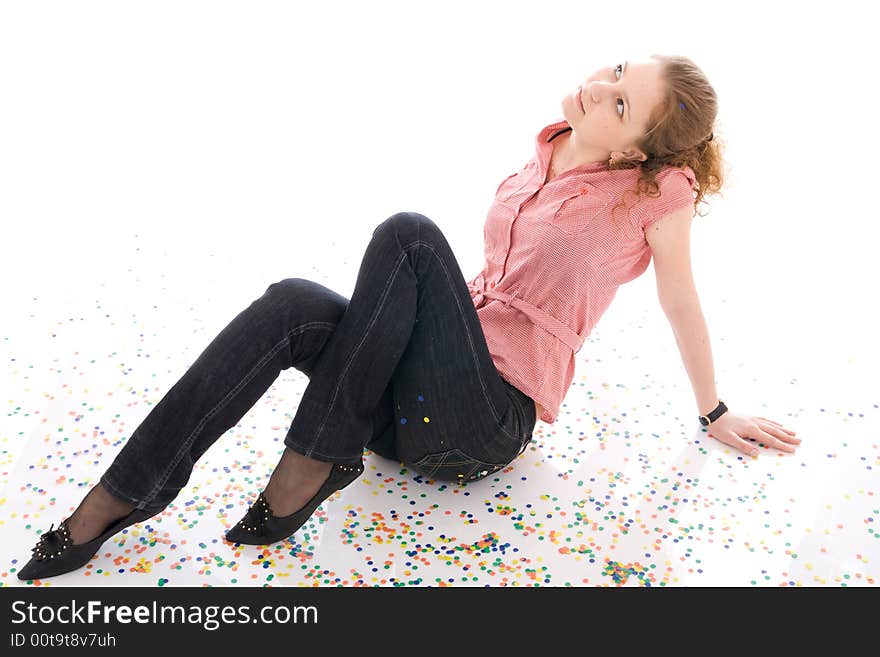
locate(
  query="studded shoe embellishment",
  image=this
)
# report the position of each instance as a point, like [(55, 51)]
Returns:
[(52, 543), (256, 515)]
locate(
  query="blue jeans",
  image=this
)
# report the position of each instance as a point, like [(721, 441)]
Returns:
[(401, 369)]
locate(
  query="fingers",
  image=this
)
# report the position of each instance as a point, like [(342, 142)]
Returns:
[(779, 434), (762, 431), (731, 439), (745, 447), (772, 441), (776, 424), (788, 439)]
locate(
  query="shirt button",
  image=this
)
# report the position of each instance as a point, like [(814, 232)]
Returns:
[(492, 284)]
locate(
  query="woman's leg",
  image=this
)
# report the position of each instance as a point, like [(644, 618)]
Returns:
[(409, 289), (411, 323), (288, 326), (456, 418)]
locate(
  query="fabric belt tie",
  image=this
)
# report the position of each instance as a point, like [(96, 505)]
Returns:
[(543, 319)]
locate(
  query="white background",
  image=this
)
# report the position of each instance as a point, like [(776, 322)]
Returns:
[(276, 135), (162, 163)]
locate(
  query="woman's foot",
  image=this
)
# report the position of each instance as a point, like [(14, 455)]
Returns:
[(294, 482), (55, 553), (95, 513), (298, 486)]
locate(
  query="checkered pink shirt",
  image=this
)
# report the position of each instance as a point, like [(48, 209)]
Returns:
[(554, 261)]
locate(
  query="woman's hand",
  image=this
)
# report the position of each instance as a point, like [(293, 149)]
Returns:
[(733, 429)]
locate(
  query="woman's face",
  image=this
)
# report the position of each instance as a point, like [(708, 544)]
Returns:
[(617, 101)]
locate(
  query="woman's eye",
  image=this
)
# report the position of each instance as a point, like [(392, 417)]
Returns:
[(619, 100)]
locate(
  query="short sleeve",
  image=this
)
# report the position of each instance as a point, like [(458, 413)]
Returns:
[(676, 191)]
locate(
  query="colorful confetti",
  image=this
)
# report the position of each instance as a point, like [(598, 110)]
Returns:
[(623, 490)]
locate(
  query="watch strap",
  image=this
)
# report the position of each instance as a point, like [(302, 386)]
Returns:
[(714, 414)]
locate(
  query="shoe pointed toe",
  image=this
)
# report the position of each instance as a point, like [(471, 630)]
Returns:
[(41, 569), (240, 535), (56, 554), (30, 571)]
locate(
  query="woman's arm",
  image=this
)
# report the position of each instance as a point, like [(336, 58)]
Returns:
[(692, 338), (669, 239), (731, 429)]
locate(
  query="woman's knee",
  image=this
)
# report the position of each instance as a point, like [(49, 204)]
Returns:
[(323, 304), (410, 226)]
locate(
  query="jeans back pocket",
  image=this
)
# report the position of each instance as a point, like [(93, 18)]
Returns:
[(454, 465)]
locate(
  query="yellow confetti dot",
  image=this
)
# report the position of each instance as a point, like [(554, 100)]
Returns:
[(427, 419)]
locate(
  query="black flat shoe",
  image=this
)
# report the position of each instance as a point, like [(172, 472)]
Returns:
[(260, 527), (55, 554)]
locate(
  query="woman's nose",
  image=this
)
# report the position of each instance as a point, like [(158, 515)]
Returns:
[(596, 89)]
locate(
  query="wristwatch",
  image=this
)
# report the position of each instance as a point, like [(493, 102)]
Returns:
[(713, 415)]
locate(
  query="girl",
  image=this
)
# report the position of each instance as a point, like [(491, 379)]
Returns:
[(446, 376)]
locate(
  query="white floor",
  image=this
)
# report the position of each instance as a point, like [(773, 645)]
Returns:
[(149, 194), (623, 490)]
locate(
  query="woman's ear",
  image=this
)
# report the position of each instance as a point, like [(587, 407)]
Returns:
[(636, 154), (633, 155)]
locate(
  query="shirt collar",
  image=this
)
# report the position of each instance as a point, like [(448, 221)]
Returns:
[(544, 148)]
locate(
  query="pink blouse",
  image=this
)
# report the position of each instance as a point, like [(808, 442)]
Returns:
[(554, 261)]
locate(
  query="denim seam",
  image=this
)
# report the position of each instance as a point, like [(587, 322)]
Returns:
[(476, 466), (465, 473), (379, 307), (229, 396), (486, 396), (428, 464), (468, 467), (467, 459), (442, 462)]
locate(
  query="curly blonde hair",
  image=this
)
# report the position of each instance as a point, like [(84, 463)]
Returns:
[(681, 132)]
